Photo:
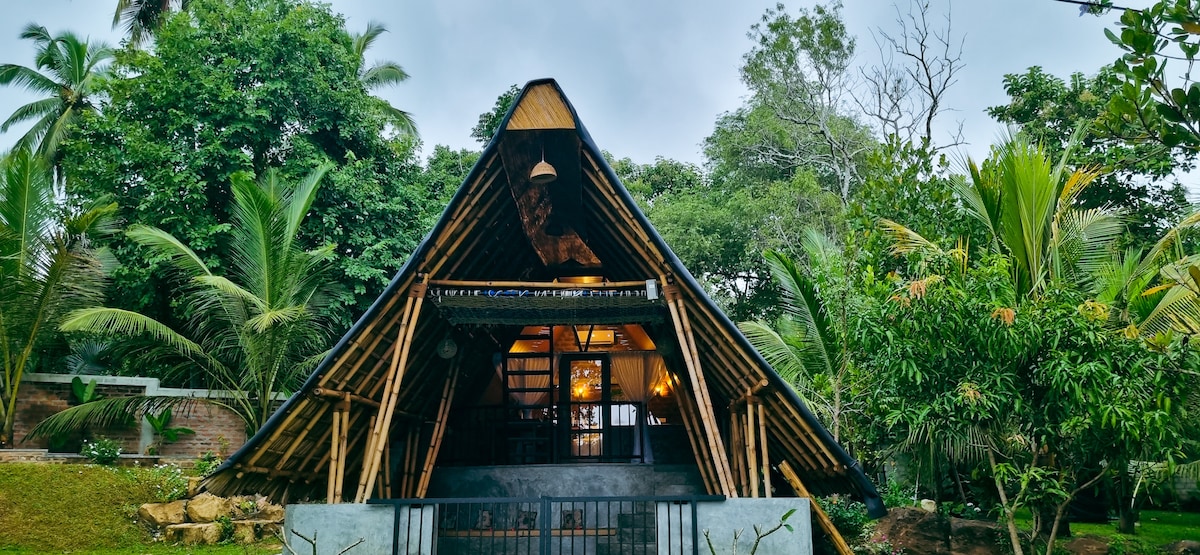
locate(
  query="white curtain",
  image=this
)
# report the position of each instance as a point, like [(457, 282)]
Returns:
[(629, 370)]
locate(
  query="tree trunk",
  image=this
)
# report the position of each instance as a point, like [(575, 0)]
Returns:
[(1013, 535), (1126, 515)]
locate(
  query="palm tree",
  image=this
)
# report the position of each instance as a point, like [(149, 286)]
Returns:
[(806, 346), (66, 71), (381, 74), (48, 267), (255, 333), (142, 18), (1027, 203)]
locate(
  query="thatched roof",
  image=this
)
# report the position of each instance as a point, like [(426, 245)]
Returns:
[(501, 227)]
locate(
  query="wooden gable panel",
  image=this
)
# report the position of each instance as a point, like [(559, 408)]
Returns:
[(541, 108)]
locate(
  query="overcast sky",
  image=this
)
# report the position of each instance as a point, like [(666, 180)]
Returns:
[(648, 78)]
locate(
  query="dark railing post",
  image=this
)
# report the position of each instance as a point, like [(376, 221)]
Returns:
[(544, 522), (695, 528)]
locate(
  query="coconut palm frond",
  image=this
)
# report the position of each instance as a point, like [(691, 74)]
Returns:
[(276, 317), (1179, 310), (905, 240), (118, 322), (104, 413), (787, 362), (165, 244), (815, 331)]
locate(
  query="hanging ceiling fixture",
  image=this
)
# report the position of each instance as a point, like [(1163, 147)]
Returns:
[(543, 172)]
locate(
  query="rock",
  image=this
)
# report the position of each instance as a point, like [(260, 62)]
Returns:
[(159, 515), (271, 512), (914, 530), (207, 507), (929, 505), (1182, 547), (976, 537), (195, 533), (193, 486), (250, 531), (1084, 546)]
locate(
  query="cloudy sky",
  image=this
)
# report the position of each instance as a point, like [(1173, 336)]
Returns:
[(648, 78)]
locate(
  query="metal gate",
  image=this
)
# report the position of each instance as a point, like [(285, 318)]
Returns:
[(639, 525)]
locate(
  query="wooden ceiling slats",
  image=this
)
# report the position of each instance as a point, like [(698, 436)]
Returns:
[(541, 107)]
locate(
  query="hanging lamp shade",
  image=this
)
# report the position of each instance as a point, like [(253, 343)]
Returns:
[(543, 173)]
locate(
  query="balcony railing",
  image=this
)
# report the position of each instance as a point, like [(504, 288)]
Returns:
[(505, 436), (548, 525)]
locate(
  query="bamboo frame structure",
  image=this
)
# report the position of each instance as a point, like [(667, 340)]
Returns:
[(712, 434), (752, 450), (374, 451), (439, 428), (766, 459), (373, 405), (839, 542)]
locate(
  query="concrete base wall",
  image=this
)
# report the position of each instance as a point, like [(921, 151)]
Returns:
[(335, 527), (721, 520), (574, 480)]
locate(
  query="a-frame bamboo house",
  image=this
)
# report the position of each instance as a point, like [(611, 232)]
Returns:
[(542, 329)]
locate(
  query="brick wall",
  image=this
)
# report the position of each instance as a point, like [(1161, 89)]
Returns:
[(218, 429)]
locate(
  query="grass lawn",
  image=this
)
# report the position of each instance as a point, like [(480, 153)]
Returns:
[(75, 508), (1156, 528)]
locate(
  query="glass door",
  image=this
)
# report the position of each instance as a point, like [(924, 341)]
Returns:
[(585, 393)]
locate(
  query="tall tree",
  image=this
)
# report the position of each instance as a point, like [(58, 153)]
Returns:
[(1158, 100), (67, 71), (799, 71), (1138, 178), (259, 327), (489, 121), (381, 74), (1028, 205), (48, 266), (304, 108), (140, 19)]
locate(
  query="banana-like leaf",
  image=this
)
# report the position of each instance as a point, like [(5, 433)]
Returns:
[(905, 240)]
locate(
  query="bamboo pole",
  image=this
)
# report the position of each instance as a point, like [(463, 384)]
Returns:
[(343, 443), (439, 429), (374, 435), (334, 457), (766, 461), (704, 404), (839, 542), (738, 446), (693, 434), (372, 456), (752, 451), (386, 470)]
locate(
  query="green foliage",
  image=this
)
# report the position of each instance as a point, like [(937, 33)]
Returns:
[(140, 19), (226, 525), (1156, 99), (163, 483), (259, 330), (848, 516), (163, 433), (67, 72), (1137, 175), (49, 265), (489, 122), (84, 393), (101, 450), (207, 463), (268, 83)]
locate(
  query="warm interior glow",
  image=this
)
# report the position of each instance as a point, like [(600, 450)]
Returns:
[(598, 337)]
